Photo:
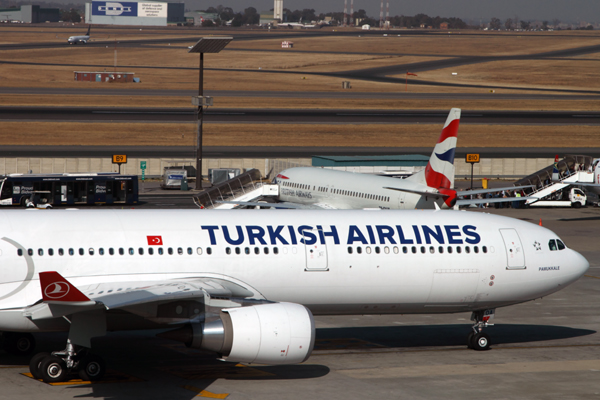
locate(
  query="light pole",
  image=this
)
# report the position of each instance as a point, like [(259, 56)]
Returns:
[(204, 45)]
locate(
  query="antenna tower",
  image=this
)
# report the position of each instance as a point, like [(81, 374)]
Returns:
[(351, 12), (345, 13), (381, 15), (387, 14)]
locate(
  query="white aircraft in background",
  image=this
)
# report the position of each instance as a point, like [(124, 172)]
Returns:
[(431, 188), (245, 283), (80, 39)]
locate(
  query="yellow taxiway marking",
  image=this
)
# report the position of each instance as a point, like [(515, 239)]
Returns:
[(110, 377), (471, 369), (592, 276), (206, 393)]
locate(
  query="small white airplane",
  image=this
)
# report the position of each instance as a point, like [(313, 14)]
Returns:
[(431, 188), (83, 39), (245, 283)]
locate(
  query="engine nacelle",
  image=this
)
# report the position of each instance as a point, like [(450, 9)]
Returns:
[(278, 333)]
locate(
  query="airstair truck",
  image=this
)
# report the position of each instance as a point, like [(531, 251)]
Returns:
[(574, 197)]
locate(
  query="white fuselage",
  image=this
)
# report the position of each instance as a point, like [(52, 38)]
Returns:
[(78, 39), (348, 190), (334, 262)]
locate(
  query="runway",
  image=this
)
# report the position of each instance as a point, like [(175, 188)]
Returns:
[(293, 116)]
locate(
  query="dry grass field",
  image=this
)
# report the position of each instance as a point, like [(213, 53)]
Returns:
[(261, 65)]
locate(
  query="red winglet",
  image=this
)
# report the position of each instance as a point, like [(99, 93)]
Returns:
[(57, 288)]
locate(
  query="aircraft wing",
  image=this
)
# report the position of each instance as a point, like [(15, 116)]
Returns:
[(419, 192), (61, 298), (284, 205), (467, 202)]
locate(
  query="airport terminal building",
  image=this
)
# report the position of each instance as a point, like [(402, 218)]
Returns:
[(137, 13)]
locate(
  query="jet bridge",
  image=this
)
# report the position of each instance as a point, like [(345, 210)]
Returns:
[(571, 170), (247, 187)]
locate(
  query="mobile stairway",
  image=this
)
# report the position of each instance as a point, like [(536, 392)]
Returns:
[(571, 170)]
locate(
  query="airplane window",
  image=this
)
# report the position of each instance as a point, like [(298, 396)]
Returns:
[(484, 249), (441, 249), (228, 250), (91, 251), (349, 249), (247, 250), (552, 244), (199, 251), (396, 250), (20, 252), (256, 250), (368, 250), (561, 245), (170, 251), (449, 249), (208, 250), (377, 250), (180, 251), (405, 249), (431, 249), (121, 251), (275, 250), (41, 252), (358, 250), (101, 251), (71, 252), (81, 251), (190, 251), (30, 252), (150, 251), (131, 251), (237, 250), (476, 249), (423, 249), (111, 251), (141, 251), (50, 252), (414, 250), (386, 250), (467, 249), (160, 251), (61, 252), (458, 249)]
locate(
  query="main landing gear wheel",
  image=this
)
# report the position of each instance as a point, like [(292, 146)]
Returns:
[(19, 344), (36, 363), (53, 369), (480, 341), (91, 368), (470, 340)]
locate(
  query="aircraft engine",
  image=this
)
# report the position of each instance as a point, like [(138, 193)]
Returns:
[(278, 333)]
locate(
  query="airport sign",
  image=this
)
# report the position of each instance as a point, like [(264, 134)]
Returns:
[(472, 158)]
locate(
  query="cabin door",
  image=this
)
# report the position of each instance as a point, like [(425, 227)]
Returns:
[(514, 250), (316, 254)]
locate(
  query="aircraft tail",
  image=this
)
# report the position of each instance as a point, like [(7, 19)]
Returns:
[(88, 32), (439, 172)]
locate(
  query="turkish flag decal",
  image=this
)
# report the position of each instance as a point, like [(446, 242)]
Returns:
[(154, 240)]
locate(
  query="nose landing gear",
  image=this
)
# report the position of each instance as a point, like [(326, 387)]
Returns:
[(478, 340)]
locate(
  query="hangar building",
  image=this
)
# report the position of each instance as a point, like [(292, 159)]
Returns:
[(137, 13), (31, 14)]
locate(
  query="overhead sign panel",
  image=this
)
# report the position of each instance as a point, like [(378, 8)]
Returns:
[(129, 9)]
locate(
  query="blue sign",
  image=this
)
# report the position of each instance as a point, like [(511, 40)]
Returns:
[(113, 8), (180, 177)]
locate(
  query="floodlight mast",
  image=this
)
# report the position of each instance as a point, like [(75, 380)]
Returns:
[(204, 45)]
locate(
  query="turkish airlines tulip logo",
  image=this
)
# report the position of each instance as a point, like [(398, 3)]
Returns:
[(56, 290), (154, 240)]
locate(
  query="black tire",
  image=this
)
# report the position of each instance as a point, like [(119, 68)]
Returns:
[(576, 204), (18, 344), (470, 340), (481, 341), (53, 369), (36, 363), (92, 368)]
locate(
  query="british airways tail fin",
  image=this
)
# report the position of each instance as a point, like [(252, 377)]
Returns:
[(439, 172)]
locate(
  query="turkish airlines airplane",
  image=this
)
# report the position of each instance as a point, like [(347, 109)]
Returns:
[(81, 38), (431, 188), (246, 283)]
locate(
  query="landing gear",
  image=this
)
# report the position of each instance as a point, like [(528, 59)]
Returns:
[(18, 343), (477, 339), (57, 366)]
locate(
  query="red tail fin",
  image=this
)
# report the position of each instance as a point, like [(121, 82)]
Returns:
[(57, 288)]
